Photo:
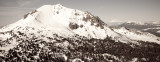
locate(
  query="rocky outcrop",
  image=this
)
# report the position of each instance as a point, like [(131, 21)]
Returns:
[(95, 20), (73, 25), (26, 15)]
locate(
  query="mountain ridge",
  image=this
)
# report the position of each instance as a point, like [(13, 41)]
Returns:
[(146, 27)]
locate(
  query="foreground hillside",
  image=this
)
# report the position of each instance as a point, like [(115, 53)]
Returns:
[(80, 49)]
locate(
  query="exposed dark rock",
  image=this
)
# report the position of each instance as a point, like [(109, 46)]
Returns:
[(81, 26), (57, 12), (94, 20), (73, 25), (26, 15), (87, 18), (76, 14), (33, 11)]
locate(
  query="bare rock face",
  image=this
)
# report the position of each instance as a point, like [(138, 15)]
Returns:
[(95, 20), (26, 15), (33, 11), (1, 38), (73, 25), (81, 26)]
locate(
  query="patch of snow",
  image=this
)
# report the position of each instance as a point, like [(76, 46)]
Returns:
[(111, 56), (77, 60), (10, 46), (134, 60), (65, 57), (158, 31), (5, 36)]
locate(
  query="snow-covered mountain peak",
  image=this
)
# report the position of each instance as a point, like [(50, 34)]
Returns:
[(58, 15), (66, 22), (62, 20), (57, 6), (52, 15), (136, 23)]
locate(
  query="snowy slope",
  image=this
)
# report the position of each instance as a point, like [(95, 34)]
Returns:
[(138, 35)]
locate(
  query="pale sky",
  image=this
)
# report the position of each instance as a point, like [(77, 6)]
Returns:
[(108, 10)]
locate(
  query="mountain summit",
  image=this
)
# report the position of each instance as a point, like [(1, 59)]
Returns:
[(63, 21)]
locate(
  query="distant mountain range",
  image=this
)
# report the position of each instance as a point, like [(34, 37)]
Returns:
[(145, 27)]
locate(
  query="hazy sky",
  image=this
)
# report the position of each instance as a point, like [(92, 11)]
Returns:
[(108, 10)]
